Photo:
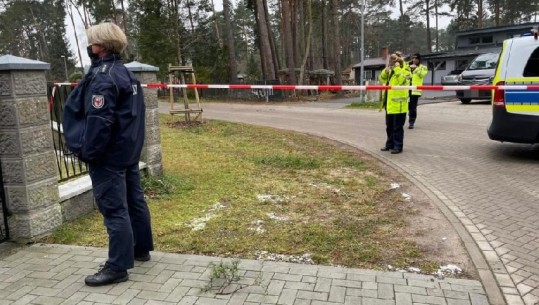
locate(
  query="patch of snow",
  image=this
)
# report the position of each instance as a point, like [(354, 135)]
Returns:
[(198, 224), (394, 185), (258, 226), (327, 186), (413, 269), (449, 269), (406, 196), (299, 259), (273, 216), (265, 198)]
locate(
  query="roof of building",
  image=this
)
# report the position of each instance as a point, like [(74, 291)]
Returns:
[(136, 66), (372, 62), (460, 53), (502, 28), (321, 72)]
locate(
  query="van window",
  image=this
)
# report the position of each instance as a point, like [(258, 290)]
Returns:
[(484, 61), (532, 66)]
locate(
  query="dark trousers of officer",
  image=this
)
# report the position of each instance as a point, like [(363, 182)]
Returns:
[(120, 199), (412, 108), (395, 130)]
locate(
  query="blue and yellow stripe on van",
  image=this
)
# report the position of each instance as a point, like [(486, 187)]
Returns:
[(522, 101)]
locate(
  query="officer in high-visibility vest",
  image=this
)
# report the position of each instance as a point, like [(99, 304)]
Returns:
[(395, 103), (419, 72)]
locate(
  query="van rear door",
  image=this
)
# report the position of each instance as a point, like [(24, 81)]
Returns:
[(522, 68)]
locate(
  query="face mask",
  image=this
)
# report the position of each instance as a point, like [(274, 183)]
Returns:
[(90, 54)]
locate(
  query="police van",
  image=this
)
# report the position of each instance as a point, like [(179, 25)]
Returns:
[(515, 113)]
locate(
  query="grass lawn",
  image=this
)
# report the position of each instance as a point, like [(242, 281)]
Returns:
[(237, 190)]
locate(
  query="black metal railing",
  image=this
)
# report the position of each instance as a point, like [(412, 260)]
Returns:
[(4, 229), (67, 165)]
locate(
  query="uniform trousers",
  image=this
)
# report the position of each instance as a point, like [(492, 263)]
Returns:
[(120, 199), (412, 108), (395, 130)]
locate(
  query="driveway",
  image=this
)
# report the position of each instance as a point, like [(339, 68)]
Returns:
[(489, 190)]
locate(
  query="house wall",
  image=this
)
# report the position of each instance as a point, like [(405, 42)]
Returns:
[(492, 38)]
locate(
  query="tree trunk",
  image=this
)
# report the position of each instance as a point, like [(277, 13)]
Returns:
[(230, 42), (309, 20), (401, 9), (325, 53), (437, 27), (497, 12), (176, 17), (124, 15), (336, 41), (113, 12), (37, 26), (219, 40), (480, 14), (275, 59), (266, 58), (289, 43), (70, 13), (190, 16), (427, 13), (293, 9)]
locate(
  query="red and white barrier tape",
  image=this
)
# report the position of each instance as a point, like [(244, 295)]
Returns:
[(334, 88)]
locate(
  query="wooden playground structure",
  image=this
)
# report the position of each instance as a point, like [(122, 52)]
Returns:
[(179, 75)]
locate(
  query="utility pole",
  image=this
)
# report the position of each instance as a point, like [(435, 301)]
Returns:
[(65, 66), (362, 56)]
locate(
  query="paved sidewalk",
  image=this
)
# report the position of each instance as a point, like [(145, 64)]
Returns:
[(54, 274)]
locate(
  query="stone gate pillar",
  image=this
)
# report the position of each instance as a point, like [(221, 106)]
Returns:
[(151, 152), (26, 149)]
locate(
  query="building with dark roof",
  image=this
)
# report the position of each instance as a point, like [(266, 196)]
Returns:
[(468, 45)]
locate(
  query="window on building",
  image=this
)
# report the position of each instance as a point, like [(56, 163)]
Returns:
[(486, 39), (438, 65), (475, 40), (532, 66), (368, 74), (481, 39)]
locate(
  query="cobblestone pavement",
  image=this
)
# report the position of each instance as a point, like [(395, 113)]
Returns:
[(486, 189), (489, 190), (54, 274)]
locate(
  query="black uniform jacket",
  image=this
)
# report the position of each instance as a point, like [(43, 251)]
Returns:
[(104, 116)]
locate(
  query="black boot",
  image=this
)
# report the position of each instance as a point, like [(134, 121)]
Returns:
[(143, 257), (106, 276)]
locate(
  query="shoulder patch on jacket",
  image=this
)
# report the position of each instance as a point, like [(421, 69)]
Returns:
[(98, 101)]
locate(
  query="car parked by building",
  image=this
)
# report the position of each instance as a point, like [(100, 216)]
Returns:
[(451, 79), (479, 72), (515, 113)]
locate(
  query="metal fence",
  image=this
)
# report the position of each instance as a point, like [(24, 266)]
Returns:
[(67, 165), (4, 230)]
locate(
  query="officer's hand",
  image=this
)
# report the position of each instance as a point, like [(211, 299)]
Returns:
[(387, 69)]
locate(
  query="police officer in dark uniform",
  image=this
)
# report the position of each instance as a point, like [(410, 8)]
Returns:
[(103, 125)]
